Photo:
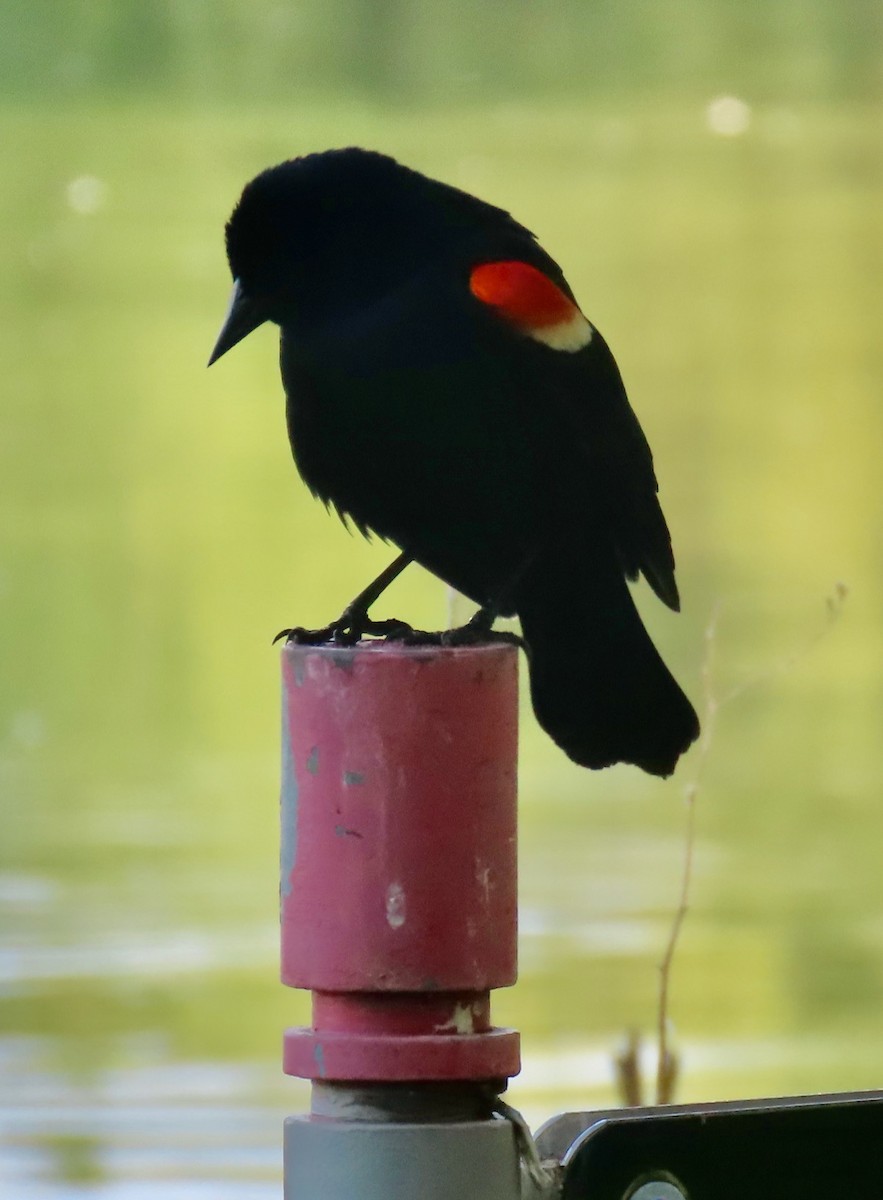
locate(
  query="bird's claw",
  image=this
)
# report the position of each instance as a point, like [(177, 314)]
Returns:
[(337, 635), (350, 627), (479, 631), (344, 632), (475, 635), (408, 636)]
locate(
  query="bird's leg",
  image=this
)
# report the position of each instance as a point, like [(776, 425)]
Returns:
[(479, 630), (354, 621)]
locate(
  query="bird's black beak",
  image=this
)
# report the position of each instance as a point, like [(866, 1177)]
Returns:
[(242, 317)]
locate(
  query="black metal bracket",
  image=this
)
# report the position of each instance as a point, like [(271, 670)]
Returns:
[(826, 1147)]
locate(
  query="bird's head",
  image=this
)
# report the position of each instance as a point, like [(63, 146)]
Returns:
[(329, 232)]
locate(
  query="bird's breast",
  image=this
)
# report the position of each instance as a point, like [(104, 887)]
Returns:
[(418, 436)]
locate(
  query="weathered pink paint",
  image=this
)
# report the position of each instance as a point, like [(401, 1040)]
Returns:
[(398, 881)]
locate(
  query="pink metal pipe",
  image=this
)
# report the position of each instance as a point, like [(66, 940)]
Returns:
[(399, 859)]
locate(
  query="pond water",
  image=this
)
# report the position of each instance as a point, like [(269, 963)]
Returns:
[(154, 536)]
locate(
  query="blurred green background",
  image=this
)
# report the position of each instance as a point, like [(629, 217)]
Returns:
[(710, 173)]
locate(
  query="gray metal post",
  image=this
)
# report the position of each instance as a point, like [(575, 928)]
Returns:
[(361, 1149)]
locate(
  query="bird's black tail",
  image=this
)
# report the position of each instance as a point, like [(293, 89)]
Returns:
[(598, 684)]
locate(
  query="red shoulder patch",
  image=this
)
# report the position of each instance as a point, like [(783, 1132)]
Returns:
[(531, 302)]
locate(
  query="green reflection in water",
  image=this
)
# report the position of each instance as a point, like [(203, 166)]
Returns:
[(154, 537)]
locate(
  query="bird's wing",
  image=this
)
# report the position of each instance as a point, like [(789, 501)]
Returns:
[(601, 452), (595, 408)]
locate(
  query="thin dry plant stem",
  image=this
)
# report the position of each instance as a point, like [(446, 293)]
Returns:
[(710, 707), (712, 704)]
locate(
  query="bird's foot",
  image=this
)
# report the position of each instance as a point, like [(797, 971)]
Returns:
[(467, 635), (408, 636), (354, 623), (345, 631), (476, 632)]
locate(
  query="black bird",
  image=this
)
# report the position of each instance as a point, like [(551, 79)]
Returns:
[(445, 391)]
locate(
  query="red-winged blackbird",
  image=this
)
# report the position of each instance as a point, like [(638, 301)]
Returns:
[(445, 391)]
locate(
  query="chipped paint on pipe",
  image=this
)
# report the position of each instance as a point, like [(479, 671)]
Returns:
[(287, 805), (396, 910)]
